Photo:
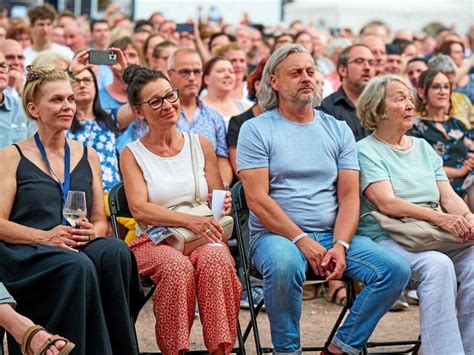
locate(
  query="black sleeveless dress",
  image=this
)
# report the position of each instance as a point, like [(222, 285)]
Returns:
[(87, 296)]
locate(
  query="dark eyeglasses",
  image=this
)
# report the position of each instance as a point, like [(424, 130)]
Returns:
[(86, 81), (5, 67), (156, 102), (186, 73), (439, 87), (13, 57)]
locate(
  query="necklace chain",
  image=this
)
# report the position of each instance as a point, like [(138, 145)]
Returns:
[(375, 135)]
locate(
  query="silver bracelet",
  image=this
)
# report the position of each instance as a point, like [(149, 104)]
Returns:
[(298, 237)]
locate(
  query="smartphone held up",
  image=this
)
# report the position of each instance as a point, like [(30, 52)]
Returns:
[(102, 57)]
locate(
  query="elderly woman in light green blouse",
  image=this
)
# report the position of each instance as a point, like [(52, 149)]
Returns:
[(398, 173)]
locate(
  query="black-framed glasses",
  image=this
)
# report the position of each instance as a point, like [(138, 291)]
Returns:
[(440, 87), (186, 73), (156, 102), (86, 81), (5, 67)]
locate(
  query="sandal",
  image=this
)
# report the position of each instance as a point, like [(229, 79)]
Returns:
[(52, 340), (333, 297)]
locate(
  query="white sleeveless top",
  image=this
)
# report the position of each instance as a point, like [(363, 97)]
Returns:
[(170, 180)]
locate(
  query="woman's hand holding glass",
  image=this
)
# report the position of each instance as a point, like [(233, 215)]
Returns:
[(83, 233), (207, 227), (60, 237)]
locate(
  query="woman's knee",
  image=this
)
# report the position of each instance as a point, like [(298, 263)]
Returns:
[(211, 256), (437, 268), (79, 267), (395, 270)]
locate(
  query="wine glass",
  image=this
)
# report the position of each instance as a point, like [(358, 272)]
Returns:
[(75, 207)]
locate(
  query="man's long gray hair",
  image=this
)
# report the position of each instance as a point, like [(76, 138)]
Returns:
[(267, 97)]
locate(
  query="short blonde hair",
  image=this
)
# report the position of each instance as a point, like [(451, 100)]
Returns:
[(36, 77), (371, 103), (223, 49), (50, 58)]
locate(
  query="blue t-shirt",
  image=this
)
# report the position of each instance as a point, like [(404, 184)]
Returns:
[(413, 174), (303, 162)]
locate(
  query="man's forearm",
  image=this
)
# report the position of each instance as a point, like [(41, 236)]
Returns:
[(347, 219), (272, 216)]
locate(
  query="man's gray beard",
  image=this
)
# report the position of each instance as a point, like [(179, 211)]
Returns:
[(307, 101)]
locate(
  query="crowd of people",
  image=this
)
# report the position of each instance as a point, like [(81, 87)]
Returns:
[(315, 123)]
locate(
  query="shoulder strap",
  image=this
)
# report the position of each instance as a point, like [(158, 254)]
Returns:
[(193, 148), (85, 150), (19, 150)]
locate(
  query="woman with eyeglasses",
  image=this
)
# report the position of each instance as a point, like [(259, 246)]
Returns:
[(158, 174), (93, 127), (448, 136)]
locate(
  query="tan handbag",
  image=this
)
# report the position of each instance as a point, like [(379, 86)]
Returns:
[(182, 238), (416, 235)]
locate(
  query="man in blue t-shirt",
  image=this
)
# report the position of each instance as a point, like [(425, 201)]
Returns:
[(300, 173)]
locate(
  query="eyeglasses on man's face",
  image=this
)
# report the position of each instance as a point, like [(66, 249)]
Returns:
[(362, 61), (186, 73), (157, 102)]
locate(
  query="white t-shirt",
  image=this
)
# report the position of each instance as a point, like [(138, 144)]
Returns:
[(30, 54)]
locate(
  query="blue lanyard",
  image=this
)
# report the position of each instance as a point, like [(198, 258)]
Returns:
[(67, 174)]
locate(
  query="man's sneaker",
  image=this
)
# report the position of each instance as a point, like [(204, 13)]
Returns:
[(257, 295), (412, 297), (400, 304)]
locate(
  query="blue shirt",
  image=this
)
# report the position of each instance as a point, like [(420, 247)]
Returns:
[(111, 106), (413, 174), (14, 125), (99, 137), (303, 162), (208, 123)]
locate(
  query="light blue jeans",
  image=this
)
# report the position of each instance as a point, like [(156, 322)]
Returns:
[(446, 294), (5, 297), (283, 268)]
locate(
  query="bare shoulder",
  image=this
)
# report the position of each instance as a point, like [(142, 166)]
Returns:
[(10, 157), (206, 145)]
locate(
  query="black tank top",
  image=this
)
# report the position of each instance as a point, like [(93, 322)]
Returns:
[(38, 203)]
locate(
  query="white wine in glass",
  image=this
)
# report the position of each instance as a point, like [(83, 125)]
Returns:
[(75, 207)]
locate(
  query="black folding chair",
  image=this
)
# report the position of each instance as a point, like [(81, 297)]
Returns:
[(118, 206), (240, 210), (2, 336)]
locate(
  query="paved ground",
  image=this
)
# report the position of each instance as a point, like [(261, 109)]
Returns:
[(318, 317)]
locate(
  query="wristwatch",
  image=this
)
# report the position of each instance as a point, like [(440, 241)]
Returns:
[(343, 243)]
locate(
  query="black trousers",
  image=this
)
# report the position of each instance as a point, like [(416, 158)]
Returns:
[(88, 297)]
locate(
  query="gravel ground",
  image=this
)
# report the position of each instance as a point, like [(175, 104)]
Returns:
[(317, 320)]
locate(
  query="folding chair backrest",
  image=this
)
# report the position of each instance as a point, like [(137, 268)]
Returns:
[(240, 213), (118, 206)]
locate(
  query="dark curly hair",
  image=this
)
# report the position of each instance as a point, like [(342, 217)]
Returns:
[(136, 77)]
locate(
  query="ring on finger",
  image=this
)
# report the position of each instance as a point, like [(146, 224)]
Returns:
[(89, 238), (207, 230)]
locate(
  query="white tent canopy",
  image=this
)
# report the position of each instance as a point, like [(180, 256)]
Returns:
[(399, 14)]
